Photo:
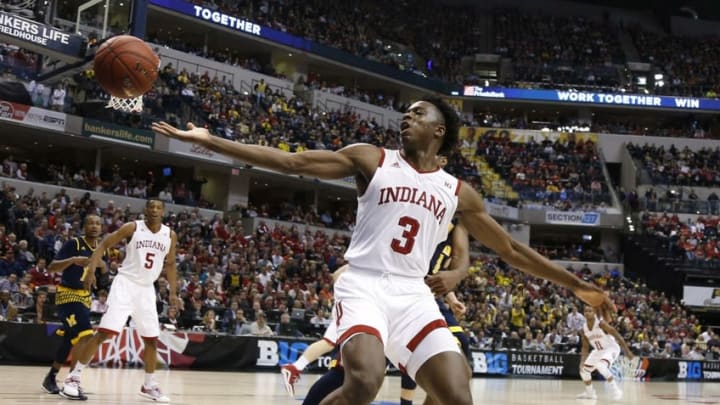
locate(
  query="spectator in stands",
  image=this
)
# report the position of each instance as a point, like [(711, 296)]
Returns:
[(260, 326), (172, 318), (209, 322), (43, 309), (10, 284), (8, 311), (99, 305), (287, 327)]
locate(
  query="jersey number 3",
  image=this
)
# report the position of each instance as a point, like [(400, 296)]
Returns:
[(410, 229), (149, 260)]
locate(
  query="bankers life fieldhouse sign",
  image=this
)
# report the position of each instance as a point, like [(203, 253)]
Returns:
[(36, 33)]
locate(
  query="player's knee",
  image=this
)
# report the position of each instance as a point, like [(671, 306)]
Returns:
[(362, 385), (604, 370), (457, 395), (150, 342), (586, 373)]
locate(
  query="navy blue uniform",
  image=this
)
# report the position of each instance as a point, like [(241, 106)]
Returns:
[(72, 299)]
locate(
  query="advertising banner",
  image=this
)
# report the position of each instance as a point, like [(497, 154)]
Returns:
[(116, 133), (32, 116), (585, 97), (697, 296), (578, 218), (501, 211), (38, 34), (232, 22), (28, 343), (196, 151)]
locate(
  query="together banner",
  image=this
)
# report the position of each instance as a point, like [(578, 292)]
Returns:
[(32, 116), (117, 133), (586, 97)]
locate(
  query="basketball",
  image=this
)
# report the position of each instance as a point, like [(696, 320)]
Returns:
[(125, 66)]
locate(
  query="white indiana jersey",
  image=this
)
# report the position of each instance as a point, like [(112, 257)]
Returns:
[(599, 340), (402, 217), (145, 254)]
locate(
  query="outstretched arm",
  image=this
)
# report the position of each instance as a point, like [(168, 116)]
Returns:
[(125, 232), (491, 234), (353, 159)]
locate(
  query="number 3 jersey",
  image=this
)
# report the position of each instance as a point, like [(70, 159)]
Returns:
[(402, 217), (145, 254)]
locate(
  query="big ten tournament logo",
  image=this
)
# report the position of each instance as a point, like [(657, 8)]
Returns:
[(689, 370), (272, 353), (711, 370), (489, 363), (631, 370)]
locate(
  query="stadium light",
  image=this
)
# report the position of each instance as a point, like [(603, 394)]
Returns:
[(658, 76)]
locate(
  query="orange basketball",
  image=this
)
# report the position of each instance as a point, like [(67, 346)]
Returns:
[(125, 66)]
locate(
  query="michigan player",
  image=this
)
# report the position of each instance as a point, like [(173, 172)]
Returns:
[(405, 204), (73, 300), (603, 339), (150, 250)]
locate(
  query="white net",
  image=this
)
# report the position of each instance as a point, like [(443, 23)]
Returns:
[(125, 104)]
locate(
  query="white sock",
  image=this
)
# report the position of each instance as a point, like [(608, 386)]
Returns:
[(301, 363), (78, 369), (589, 388), (149, 379)]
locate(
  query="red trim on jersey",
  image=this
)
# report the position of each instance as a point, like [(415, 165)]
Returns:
[(358, 329), (457, 190), (108, 331), (436, 324), (329, 341), (415, 168), (382, 157), (338, 312)]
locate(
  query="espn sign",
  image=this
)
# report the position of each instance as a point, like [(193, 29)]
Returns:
[(572, 218)]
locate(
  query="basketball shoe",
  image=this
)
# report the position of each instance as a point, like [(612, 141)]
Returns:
[(71, 389), (49, 384), (290, 375), (153, 392)]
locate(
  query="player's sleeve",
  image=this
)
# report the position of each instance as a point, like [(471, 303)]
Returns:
[(69, 249)]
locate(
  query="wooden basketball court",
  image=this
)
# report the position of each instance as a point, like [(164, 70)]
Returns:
[(21, 385)]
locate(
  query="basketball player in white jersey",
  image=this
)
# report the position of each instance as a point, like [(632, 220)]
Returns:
[(605, 343), (405, 203), (150, 249)]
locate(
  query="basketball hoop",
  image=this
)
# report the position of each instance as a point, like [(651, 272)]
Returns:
[(125, 104)]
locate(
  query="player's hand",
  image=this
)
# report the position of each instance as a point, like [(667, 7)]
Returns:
[(174, 301), (445, 281), (81, 260), (596, 298), (629, 355), (192, 134), (88, 280), (458, 309)]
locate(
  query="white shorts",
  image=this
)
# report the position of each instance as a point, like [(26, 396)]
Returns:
[(400, 311), (331, 333), (128, 298), (596, 356)]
